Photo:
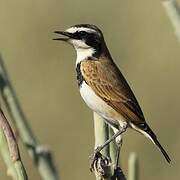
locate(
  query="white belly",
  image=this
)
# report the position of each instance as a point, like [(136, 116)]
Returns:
[(99, 106)]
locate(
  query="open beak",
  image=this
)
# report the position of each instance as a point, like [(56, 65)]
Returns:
[(66, 34)]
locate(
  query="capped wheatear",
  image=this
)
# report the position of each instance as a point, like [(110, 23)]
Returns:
[(102, 85)]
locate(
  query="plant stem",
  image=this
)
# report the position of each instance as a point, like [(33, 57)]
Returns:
[(133, 168), (10, 151), (105, 171), (101, 131), (42, 157), (173, 12)]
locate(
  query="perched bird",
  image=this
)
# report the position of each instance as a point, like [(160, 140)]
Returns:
[(103, 87)]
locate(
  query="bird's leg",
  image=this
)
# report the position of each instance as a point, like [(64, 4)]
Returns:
[(99, 148), (97, 153), (119, 145)]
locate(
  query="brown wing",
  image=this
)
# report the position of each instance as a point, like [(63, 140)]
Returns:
[(108, 83), (106, 80)]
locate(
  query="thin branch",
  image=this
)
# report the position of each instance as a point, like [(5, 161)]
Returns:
[(10, 151), (173, 12), (41, 156)]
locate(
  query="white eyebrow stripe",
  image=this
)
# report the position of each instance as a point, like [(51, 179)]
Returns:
[(75, 29)]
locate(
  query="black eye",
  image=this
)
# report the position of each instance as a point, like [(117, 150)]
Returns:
[(82, 33)]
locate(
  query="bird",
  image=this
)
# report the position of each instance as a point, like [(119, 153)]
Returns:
[(103, 87)]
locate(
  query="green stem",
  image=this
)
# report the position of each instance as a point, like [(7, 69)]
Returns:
[(113, 147), (43, 160), (102, 133), (173, 12), (133, 168)]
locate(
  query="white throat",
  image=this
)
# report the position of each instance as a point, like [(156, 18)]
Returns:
[(83, 54)]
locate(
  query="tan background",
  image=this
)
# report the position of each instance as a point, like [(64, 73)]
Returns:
[(142, 42)]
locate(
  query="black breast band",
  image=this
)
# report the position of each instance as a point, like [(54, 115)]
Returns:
[(79, 75)]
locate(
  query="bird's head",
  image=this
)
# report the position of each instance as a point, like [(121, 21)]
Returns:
[(84, 37)]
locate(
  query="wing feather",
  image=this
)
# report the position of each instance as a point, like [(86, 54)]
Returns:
[(108, 83)]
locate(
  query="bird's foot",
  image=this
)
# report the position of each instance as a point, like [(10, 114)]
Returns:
[(94, 158), (97, 160), (118, 174)]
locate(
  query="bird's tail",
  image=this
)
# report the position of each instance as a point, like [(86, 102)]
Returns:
[(162, 150), (146, 130)]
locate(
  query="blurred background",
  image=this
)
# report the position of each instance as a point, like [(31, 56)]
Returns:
[(143, 44)]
